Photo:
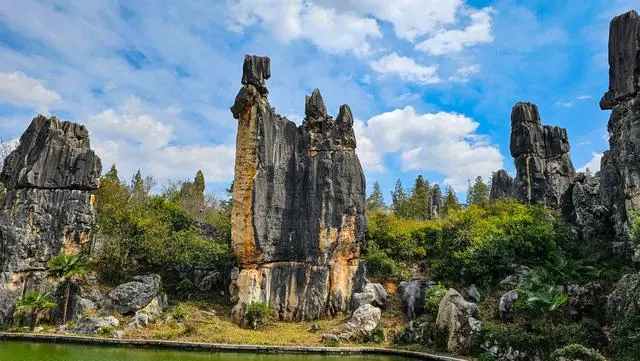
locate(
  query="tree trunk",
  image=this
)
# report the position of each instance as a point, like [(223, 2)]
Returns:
[(34, 315), (67, 289)]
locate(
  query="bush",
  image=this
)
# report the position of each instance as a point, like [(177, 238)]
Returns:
[(378, 335), (433, 297), (258, 315), (577, 352), (379, 263), (625, 339)]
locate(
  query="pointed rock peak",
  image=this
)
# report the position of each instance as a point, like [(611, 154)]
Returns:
[(256, 70), (525, 112), (314, 105), (345, 117)]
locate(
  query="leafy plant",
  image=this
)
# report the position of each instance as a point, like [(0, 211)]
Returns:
[(36, 303), (433, 297), (67, 268), (258, 315), (577, 352)]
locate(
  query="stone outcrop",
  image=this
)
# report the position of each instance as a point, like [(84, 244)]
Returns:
[(372, 294), (620, 166), (298, 205), (412, 294), (361, 324), (143, 292), (544, 169), (94, 325), (48, 207), (624, 302), (458, 318), (501, 185), (434, 202)]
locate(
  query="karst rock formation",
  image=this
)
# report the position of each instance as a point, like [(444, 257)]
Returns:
[(620, 166), (298, 205), (48, 206)]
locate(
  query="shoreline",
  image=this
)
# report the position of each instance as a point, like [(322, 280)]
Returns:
[(201, 346)]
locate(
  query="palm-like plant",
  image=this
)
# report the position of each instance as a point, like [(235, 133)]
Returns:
[(67, 268), (36, 302)]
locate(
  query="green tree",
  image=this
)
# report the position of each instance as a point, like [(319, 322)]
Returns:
[(375, 201), (478, 193), (67, 268), (450, 201), (35, 302), (198, 183), (140, 187), (417, 203), (112, 174), (399, 200)]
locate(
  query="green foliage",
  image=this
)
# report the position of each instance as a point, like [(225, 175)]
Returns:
[(577, 352), (399, 200), (379, 263), (35, 303), (450, 202), (625, 339), (478, 193), (112, 174), (65, 266), (378, 335), (258, 315), (375, 201), (634, 220), (433, 297), (486, 357)]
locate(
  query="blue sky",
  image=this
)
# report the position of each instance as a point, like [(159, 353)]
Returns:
[(431, 82)]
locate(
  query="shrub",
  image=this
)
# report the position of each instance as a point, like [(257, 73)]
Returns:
[(378, 335), (433, 297), (258, 315), (379, 263), (625, 339), (577, 352)]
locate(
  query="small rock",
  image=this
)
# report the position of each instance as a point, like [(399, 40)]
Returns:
[(474, 293), (507, 302), (92, 325), (38, 329)]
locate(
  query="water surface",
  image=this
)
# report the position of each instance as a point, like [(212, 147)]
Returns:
[(33, 351)]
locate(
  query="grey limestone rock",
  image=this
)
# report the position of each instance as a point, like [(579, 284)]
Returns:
[(94, 325), (544, 169), (412, 294), (373, 294), (363, 321), (507, 302), (135, 295), (501, 185), (624, 301), (298, 205), (48, 206), (434, 202), (458, 318)]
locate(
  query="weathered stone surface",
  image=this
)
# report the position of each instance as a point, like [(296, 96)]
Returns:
[(624, 59), (507, 302), (474, 293), (47, 208), (459, 319), (624, 301), (620, 166), (501, 185), (541, 154), (299, 200), (363, 321), (93, 325), (412, 294), (372, 294), (434, 202), (135, 295)]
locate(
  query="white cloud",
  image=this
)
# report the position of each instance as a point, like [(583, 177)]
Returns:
[(17, 88), (406, 68), (567, 104), (453, 41), (172, 109), (328, 29), (139, 140), (584, 97), (593, 165), (446, 143), (463, 74)]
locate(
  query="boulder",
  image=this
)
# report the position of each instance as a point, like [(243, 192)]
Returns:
[(458, 318), (474, 293), (372, 294), (516, 279), (298, 213), (363, 321), (140, 320), (624, 301), (47, 207), (434, 202), (501, 185), (135, 295), (507, 303), (94, 325), (412, 294)]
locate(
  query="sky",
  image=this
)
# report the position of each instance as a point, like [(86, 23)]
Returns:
[(431, 83)]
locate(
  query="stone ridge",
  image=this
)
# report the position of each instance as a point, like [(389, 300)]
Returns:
[(624, 59), (48, 206), (298, 205)]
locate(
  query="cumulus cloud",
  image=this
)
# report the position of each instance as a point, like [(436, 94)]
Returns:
[(453, 41), (17, 88), (463, 74), (406, 68), (593, 165), (446, 143), (134, 139)]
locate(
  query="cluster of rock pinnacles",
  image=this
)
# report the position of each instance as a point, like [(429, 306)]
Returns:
[(298, 217)]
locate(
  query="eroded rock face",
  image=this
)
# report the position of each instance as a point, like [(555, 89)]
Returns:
[(544, 169), (434, 203), (458, 318), (501, 185), (620, 166), (135, 295), (299, 200), (47, 208)]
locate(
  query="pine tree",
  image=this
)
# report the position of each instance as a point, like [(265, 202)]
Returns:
[(375, 202), (399, 200), (478, 194), (198, 183), (417, 205), (450, 201), (112, 174)]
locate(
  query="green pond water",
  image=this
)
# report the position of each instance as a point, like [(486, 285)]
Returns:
[(30, 351)]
